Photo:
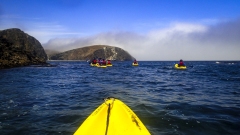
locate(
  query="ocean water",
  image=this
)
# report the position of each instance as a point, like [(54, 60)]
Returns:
[(202, 100)]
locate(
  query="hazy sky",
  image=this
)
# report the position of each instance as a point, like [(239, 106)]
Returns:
[(147, 29)]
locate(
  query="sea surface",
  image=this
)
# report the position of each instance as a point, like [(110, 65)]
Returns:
[(202, 100)]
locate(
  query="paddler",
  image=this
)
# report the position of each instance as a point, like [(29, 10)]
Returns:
[(135, 61), (180, 64), (109, 62)]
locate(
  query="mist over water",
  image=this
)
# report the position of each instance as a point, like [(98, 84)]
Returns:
[(189, 41), (204, 99)]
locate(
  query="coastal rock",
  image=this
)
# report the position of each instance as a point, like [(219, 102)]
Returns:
[(97, 51), (20, 49)]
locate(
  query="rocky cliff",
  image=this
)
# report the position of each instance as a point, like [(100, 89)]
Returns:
[(97, 51), (19, 49)]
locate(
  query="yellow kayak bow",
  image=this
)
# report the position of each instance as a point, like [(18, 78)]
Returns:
[(113, 117)]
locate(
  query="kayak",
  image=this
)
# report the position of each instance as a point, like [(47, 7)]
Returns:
[(94, 65), (112, 117), (101, 66), (181, 67), (109, 65), (135, 64)]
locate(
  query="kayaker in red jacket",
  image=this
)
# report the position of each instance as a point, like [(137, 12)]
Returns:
[(104, 62), (94, 61), (181, 63), (109, 62), (135, 61)]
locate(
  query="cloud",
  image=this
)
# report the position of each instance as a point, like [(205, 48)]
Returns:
[(43, 35), (126, 40), (225, 32), (51, 30), (186, 41), (43, 31)]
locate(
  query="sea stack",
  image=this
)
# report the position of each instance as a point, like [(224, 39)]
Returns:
[(94, 51), (20, 49)]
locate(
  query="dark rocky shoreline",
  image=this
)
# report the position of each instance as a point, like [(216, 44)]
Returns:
[(20, 49)]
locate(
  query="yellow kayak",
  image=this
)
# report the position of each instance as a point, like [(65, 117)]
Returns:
[(94, 65), (135, 64), (109, 65), (181, 67), (113, 117), (101, 66)]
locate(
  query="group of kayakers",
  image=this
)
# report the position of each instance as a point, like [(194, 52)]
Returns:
[(101, 61), (180, 64)]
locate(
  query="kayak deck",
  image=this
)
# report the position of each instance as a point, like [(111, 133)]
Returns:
[(181, 67), (113, 117), (135, 64)]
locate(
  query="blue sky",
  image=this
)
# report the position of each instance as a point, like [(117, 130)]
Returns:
[(147, 29)]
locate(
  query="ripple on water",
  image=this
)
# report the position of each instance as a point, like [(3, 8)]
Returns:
[(204, 99)]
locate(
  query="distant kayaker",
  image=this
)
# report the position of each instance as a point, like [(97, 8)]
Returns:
[(104, 62), (181, 63), (100, 60), (94, 61), (109, 62), (135, 61)]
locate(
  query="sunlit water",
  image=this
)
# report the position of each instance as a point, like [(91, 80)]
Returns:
[(202, 100)]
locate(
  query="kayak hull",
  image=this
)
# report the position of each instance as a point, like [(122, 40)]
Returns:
[(100, 66), (93, 65), (113, 117), (181, 67), (135, 64)]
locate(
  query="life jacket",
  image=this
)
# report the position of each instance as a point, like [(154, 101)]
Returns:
[(181, 63), (109, 62), (104, 62)]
